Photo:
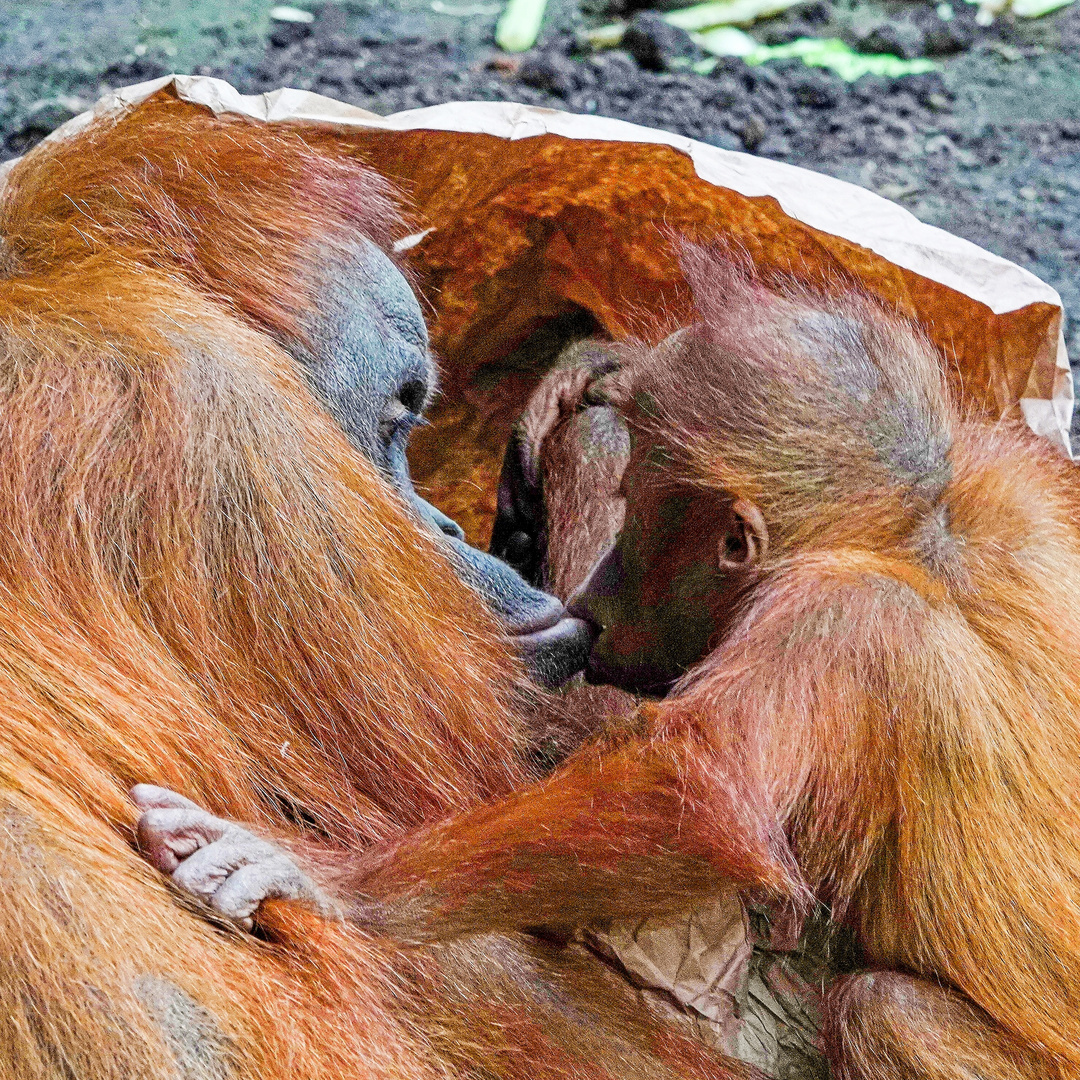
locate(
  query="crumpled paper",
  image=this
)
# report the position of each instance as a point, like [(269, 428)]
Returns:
[(701, 959), (526, 218), (720, 971)]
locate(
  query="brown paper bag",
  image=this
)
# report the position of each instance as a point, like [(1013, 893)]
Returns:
[(528, 219)]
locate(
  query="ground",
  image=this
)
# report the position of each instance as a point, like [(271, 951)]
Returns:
[(987, 148)]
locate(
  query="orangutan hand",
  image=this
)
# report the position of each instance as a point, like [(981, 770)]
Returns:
[(221, 863)]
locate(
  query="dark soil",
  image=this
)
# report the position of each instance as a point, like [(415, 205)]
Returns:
[(989, 148)]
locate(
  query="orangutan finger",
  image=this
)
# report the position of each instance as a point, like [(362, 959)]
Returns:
[(168, 836), (152, 797), (276, 877)]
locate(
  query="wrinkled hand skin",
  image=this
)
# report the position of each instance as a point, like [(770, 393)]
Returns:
[(553, 494), (223, 865)]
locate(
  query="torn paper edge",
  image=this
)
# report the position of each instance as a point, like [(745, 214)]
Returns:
[(822, 202)]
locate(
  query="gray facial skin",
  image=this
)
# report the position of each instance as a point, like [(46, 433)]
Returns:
[(372, 369)]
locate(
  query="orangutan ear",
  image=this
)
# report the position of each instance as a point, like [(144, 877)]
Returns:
[(746, 541)]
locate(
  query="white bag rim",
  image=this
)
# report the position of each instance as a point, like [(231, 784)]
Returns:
[(822, 202)]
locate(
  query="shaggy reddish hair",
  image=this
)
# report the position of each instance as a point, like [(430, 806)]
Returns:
[(202, 585)]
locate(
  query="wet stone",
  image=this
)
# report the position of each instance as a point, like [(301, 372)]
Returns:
[(655, 44), (550, 71), (897, 37), (817, 89), (285, 34)]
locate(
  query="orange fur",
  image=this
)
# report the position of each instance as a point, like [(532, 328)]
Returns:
[(194, 585), (202, 585), (890, 723), (903, 674)]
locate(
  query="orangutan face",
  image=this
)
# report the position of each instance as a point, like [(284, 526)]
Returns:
[(666, 592)]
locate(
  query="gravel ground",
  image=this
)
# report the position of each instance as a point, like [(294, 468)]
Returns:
[(988, 147)]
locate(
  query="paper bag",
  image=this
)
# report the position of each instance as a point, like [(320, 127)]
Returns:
[(528, 221)]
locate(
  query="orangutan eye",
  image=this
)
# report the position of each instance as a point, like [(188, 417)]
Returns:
[(403, 411), (413, 395)]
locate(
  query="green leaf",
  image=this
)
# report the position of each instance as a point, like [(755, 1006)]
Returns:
[(829, 53), (519, 26), (726, 13), (1033, 9), (727, 41)]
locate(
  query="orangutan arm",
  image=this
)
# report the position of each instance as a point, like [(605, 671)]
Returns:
[(618, 829)]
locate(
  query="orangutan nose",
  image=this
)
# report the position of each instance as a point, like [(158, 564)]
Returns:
[(592, 601)]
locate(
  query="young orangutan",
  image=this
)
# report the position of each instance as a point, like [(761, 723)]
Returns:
[(866, 599), (860, 607), (734, 973)]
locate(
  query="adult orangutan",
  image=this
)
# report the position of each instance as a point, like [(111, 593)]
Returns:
[(208, 580), (858, 605)]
